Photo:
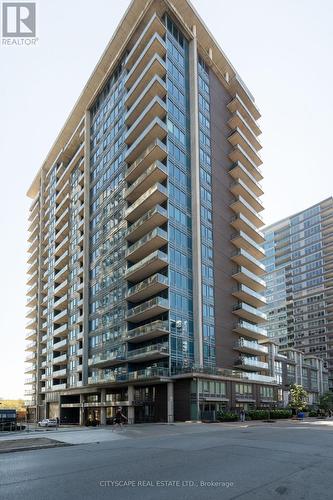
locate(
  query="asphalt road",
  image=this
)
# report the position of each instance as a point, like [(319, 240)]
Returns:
[(186, 461)]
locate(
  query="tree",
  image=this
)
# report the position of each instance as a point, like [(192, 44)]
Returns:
[(298, 397), (326, 401)]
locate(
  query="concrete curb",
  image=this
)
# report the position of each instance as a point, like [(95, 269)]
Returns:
[(36, 447)]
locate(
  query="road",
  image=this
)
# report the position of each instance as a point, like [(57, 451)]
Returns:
[(182, 461)]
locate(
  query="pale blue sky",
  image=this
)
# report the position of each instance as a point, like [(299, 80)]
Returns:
[(283, 51)]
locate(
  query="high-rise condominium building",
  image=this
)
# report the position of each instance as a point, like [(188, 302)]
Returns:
[(145, 243), (299, 264)]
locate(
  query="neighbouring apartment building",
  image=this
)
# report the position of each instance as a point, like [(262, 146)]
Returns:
[(299, 264), (290, 366), (145, 249)]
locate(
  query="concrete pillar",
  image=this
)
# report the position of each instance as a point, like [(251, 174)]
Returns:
[(130, 397), (82, 400), (170, 405), (195, 178), (103, 416)]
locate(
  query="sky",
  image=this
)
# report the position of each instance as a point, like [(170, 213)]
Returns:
[(281, 49)]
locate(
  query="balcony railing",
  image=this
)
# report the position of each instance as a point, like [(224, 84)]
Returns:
[(155, 195), (156, 216), (249, 312), (148, 309), (149, 331), (250, 346), (147, 244), (154, 351), (249, 363), (147, 287), (147, 266)]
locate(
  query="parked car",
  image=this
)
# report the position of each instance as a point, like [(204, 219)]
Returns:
[(48, 422)]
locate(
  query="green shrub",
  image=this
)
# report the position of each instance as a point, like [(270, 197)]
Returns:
[(281, 413), (263, 414), (313, 413), (257, 414), (226, 417)]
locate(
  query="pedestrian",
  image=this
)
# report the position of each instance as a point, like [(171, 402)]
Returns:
[(242, 415), (58, 421), (119, 417)]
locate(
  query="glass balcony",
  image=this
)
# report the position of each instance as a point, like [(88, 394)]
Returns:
[(248, 363), (155, 25), (250, 347), (155, 151), (108, 359), (148, 373), (33, 255), (58, 387), (147, 310), (241, 206), (238, 154), (60, 360), (61, 247), (31, 368), (250, 296), (32, 290), (242, 240), (151, 78), (32, 324), (249, 313), (244, 258), (151, 264), (33, 245), (61, 303), (148, 353), (238, 122), (63, 192), (32, 301), (32, 278), (238, 87), (241, 223), (155, 130), (62, 345), (147, 244), (60, 317), (61, 260), (59, 373), (155, 195), (63, 287), (238, 138), (62, 206), (31, 335), (156, 108), (31, 346), (237, 105), (156, 88), (148, 332), (241, 189), (148, 287), (155, 173), (155, 217), (31, 357), (156, 45), (60, 331), (245, 277), (33, 266)]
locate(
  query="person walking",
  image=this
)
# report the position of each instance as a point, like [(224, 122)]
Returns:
[(242, 415), (119, 417)]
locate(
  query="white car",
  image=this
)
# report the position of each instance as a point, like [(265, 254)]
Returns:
[(48, 422)]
